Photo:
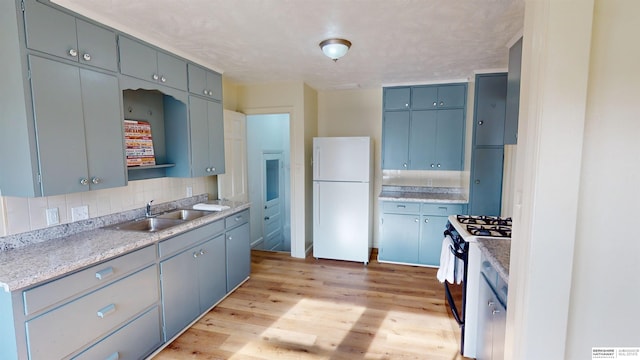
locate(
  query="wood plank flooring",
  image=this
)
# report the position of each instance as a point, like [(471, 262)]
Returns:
[(325, 309)]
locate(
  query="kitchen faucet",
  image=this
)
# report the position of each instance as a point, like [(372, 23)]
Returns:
[(148, 210)]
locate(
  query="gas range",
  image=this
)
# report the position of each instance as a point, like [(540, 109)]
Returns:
[(471, 226)]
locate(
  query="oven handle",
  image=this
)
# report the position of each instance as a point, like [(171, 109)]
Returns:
[(452, 305), (457, 254)]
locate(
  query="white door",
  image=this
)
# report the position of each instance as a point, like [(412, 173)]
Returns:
[(273, 191), (233, 184)]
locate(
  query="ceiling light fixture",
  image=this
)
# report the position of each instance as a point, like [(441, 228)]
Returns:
[(335, 48)]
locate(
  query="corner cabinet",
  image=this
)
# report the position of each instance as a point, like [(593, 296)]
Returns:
[(412, 232), (423, 127)]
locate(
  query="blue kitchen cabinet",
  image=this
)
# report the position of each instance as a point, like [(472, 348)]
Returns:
[(395, 140), (238, 249), (145, 62), (204, 82), (61, 34), (431, 239), (436, 140), (513, 94), (490, 109), (438, 96), (399, 238), (397, 98), (429, 135), (486, 181), (212, 272), (80, 145)]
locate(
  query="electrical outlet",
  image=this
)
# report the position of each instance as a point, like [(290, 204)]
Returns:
[(189, 191), (79, 213), (53, 217)]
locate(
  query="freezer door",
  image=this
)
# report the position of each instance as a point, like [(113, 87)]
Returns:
[(342, 159), (341, 221)]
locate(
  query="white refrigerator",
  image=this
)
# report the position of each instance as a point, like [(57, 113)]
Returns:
[(342, 198)]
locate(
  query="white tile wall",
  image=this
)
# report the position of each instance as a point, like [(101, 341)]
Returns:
[(426, 178), (19, 215)]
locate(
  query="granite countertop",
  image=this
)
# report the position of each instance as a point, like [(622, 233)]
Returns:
[(38, 261), (423, 194), (498, 253)]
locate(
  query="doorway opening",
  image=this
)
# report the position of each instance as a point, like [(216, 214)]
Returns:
[(268, 163)]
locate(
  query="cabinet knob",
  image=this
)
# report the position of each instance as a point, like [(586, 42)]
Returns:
[(438, 165), (404, 165), (86, 57), (433, 165), (480, 122), (406, 105), (426, 221), (205, 92), (213, 168), (435, 103), (202, 252), (210, 93), (163, 79), (154, 76), (266, 218), (441, 103), (84, 181), (416, 220), (490, 303), (96, 180), (208, 169), (195, 254), (477, 181), (230, 238), (73, 52), (495, 312)]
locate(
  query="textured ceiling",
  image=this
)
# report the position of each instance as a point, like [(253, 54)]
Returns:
[(258, 41)]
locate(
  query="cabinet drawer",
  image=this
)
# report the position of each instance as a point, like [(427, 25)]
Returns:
[(54, 292), (183, 241), (134, 341), (401, 207), (68, 328), (442, 209), (236, 219)]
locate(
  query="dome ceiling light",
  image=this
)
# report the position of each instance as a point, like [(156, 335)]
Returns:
[(335, 48)]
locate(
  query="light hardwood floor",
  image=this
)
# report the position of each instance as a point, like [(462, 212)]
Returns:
[(325, 309)]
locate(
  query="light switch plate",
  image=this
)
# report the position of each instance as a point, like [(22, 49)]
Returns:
[(79, 213), (53, 217), (189, 191)]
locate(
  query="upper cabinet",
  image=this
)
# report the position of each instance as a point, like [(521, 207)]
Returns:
[(423, 127), (513, 94), (146, 63), (63, 35), (204, 82), (491, 94)]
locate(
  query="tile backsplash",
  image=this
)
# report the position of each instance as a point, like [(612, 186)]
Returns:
[(18, 215), (449, 179)]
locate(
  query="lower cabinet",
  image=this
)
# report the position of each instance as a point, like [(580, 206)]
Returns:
[(412, 232), (492, 319), (238, 247), (192, 282)]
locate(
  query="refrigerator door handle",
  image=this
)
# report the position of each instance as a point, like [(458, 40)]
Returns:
[(316, 203), (316, 163)]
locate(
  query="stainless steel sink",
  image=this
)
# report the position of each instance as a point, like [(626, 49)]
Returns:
[(184, 215), (147, 224)]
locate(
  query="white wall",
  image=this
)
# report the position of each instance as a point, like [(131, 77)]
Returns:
[(574, 258), (19, 215)]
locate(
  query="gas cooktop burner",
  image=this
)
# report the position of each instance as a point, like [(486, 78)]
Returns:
[(484, 220), (489, 230)]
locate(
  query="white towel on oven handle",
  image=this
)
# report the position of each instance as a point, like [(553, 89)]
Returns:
[(451, 268)]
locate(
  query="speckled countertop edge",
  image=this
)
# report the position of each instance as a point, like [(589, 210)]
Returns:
[(498, 252), (423, 194), (38, 262)]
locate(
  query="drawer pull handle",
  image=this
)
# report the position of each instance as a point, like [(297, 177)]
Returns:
[(401, 206), (102, 313), (238, 218), (114, 356), (442, 208), (104, 273)]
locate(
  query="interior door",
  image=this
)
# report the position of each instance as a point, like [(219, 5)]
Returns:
[(273, 177)]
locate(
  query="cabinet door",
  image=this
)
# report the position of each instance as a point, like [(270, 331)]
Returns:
[(172, 71), (199, 127), (395, 140), (486, 181), (451, 96), (97, 46), (179, 288), (238, 247), (431, 236), (491, 97), (486, 303), (450, 140), (424, 97), (103, 129), (138, 60), (57, 105), (513, 94), (399, 238), (214, 84), (422, 140), (397, 98), (216, 137), (50, 30), (498, 325), (212, 272), (197, 80)]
